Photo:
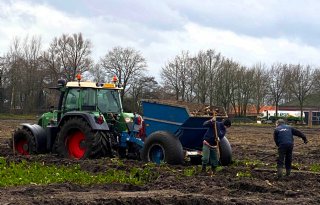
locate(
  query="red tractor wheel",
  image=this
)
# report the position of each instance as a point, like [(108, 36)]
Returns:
[(24, 142), (22, 147), (78, 140), (75, 144)]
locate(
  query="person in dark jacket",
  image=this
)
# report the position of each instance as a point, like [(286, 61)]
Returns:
[(209, 148), (283, 137)]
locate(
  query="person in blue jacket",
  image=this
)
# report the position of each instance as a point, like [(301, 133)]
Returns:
[(283, 137), (209, 148)]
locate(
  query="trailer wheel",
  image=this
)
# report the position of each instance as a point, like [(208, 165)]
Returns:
[(24, 142), (77, 140), (225, 152), (162, 147)]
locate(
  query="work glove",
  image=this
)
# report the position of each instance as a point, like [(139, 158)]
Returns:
[(305, 140)]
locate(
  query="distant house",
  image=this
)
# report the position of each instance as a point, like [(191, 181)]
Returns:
[(311, 110), (251, 110)]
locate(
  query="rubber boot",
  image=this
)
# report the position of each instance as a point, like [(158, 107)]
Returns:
[(279, 173), (288, 172), (213, 170), (203, 170)]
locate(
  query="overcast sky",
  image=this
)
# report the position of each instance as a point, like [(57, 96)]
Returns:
[(248, 31)]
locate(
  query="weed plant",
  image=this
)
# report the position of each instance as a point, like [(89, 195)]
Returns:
[(245, 174), (249, 163), (315, 168), (190, 171)]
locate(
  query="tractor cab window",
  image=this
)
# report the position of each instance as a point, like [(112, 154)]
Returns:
[(71, 101), (109, 101), (88, 99)]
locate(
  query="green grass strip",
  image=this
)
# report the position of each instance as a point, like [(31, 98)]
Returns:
[(24, 173), (7, 116), (315, 167)]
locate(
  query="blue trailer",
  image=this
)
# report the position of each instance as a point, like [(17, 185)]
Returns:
[(174, 134)]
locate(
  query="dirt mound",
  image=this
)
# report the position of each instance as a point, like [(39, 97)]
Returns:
[(195, 109)]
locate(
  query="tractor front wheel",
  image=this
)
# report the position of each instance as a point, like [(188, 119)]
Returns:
[(77, 140), (23, 142)]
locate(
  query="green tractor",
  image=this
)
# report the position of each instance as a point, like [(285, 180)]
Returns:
[(88, 123)]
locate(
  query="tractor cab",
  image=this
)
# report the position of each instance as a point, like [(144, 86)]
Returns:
[(91, 97), (99, 99)]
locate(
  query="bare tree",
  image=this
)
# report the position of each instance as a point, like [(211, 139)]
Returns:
[(316, 80), (277, 82), (125, 63), (260, 85), (205, 66), (226, 84), (25, 74), (201, 73), (98, 73), (242, 88), (300, 82), (190, 81), (214, 63), (177, 74), (145, 88), (3, 80), (15, 63), (182, 63), (52, 64), (33, 93), (171, 78), (247, 89), (71, 53), (193, 78)]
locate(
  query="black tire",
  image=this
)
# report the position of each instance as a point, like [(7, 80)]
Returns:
[(107, 141), (24, 142), (166, 143), (77, 140), (225, 152)]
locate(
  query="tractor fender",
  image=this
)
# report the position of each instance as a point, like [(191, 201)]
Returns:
[(39, 134), (90, 118)]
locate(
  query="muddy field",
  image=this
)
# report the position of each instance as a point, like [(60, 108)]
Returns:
[(249, 143)]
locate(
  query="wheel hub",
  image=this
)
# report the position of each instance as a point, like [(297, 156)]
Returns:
[(157, 154), (25, 147), (22, 147), (76, 145)]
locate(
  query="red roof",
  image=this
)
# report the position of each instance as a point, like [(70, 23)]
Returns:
[(252, 110), (267, 107)]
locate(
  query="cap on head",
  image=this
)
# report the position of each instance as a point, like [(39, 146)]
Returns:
[(280, 122), (227, 123)]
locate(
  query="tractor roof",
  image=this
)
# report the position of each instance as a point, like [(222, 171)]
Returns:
[(92, 85)]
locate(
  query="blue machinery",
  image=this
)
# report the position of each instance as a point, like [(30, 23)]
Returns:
[(187, 129)]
